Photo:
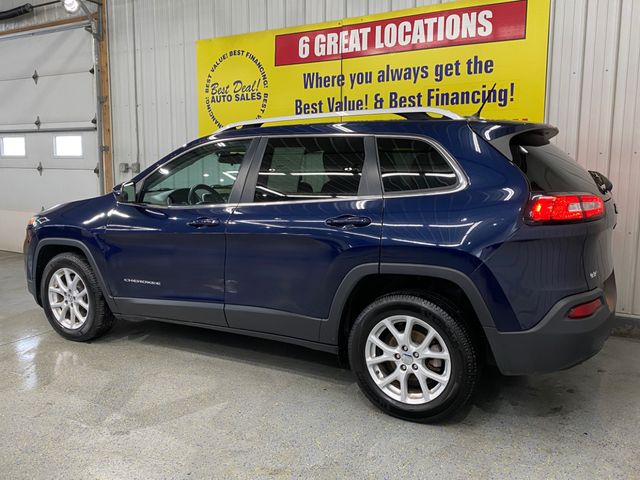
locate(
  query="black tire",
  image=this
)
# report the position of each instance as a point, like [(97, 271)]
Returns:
[(99, 317), (463, 352)]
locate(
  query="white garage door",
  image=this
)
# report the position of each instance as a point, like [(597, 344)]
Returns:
[(48, 141)]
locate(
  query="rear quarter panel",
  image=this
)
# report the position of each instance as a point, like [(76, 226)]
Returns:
[(536, 267), (461, 230)]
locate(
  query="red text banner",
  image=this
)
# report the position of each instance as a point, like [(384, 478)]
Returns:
[(446, 28)]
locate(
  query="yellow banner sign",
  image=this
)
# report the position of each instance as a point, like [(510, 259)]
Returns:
[(445, 56)]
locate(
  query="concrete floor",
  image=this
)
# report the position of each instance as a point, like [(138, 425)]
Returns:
[(152, 400)]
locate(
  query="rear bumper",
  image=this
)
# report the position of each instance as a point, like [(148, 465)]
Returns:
[(557, 342)]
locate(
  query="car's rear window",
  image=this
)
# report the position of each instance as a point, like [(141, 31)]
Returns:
[(549, 169)]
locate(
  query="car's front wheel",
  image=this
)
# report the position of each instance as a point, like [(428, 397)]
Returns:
[(72, 299), (414, 358)]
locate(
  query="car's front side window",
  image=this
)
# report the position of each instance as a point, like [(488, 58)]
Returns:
[(204, 176), (308, 168)]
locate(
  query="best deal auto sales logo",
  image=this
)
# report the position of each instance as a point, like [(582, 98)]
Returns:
[(236, 79)]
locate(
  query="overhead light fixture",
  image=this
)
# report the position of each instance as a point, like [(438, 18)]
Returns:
[(71, 6)]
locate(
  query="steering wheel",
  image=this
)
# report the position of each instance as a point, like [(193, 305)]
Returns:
[(194, 199)]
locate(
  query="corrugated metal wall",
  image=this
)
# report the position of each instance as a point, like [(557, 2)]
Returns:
[(592, 96)]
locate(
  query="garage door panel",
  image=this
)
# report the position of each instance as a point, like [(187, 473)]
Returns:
[(14, 95), (64, 98), (40, 149), (27, 190), (49, 54)]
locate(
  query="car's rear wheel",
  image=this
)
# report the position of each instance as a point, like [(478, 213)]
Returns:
[(414, 359), (72, 299)]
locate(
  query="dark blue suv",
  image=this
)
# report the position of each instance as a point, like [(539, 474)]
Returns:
[(419, 249)]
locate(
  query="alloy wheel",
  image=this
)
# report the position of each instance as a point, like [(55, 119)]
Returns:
[(68, 298), (408, 359)]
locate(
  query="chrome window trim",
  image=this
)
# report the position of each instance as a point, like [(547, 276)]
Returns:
[(315, 200), (462, 183), (462, 179)]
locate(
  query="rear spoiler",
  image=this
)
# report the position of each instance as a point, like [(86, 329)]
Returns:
[(502, 134)]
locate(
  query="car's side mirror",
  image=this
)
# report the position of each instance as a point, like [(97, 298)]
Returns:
[(125, 192)]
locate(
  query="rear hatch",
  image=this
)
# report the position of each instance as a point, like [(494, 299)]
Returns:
[(552, 173)]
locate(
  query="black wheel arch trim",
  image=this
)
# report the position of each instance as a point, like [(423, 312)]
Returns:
[(330, 330), (70, 242)]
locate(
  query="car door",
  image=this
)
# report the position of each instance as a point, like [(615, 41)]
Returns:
[(165, 244), (311, 212)]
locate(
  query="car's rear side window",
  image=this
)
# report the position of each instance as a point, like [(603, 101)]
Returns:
[(307, 168), (408, 165)]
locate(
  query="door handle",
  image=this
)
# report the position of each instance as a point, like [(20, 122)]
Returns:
[(345, 221), (204, 222)]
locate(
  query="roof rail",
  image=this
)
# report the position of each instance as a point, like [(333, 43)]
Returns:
[(410, 113)]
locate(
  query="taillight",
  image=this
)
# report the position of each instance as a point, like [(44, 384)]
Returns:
[(564, 208), (585, 309)]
